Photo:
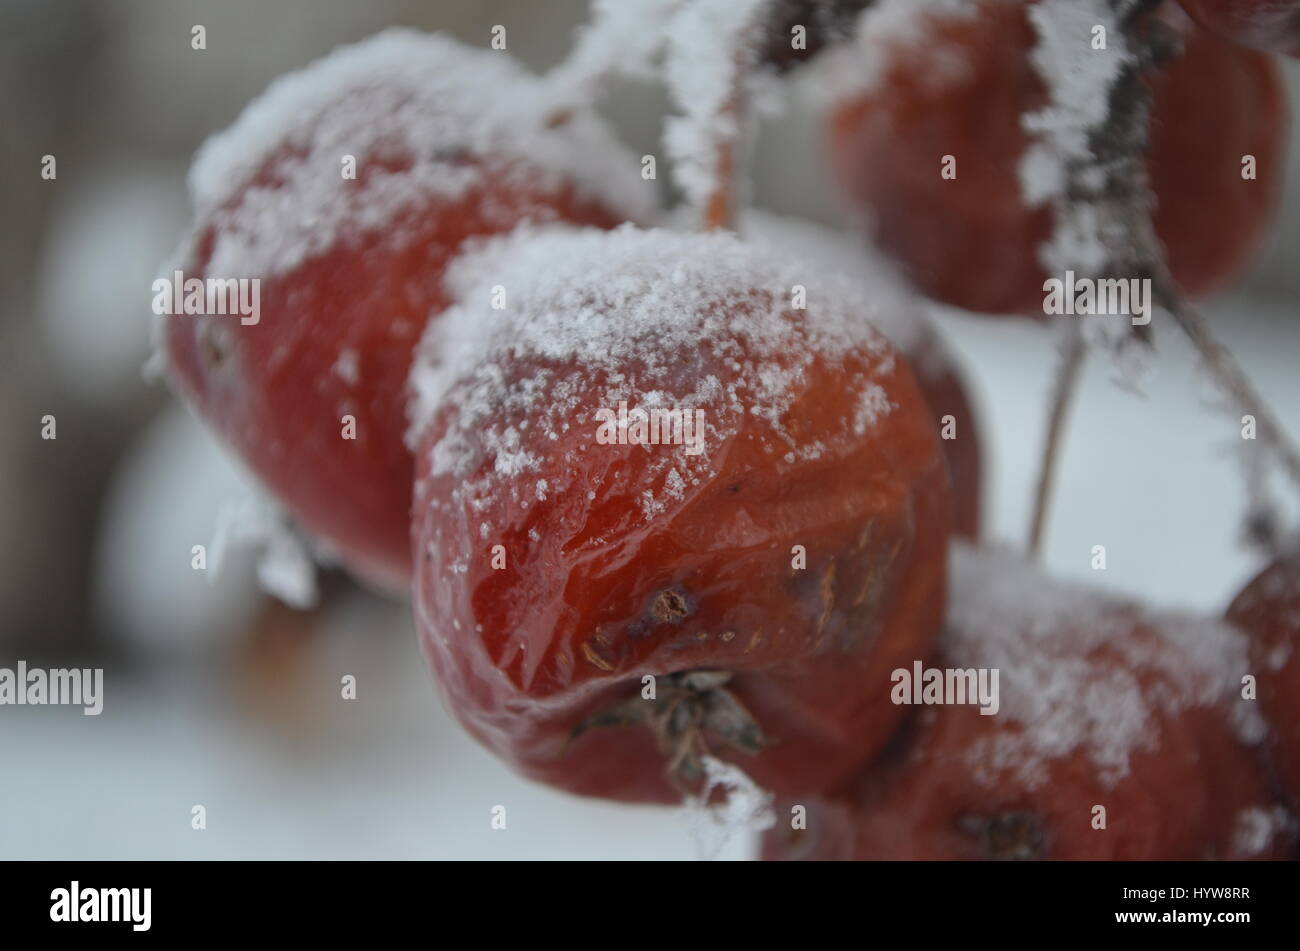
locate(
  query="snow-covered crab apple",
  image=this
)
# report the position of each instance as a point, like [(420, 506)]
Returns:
[(1268, 610), (664, 513), (925, 138), (1116, 734), (902, 319), (1271, 25), (345, 190)]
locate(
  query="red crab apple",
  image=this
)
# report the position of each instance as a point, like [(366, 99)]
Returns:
[(1100, 705), (605, 607), (959, 82), (1268, 609), (345, 190), (1271, 25), (904, 322)]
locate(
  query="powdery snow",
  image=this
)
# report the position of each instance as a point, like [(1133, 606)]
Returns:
[(893, 308), (1005, 614), (348, 367), (621, 38), (422, 100), (1256, 828), (634, 312)]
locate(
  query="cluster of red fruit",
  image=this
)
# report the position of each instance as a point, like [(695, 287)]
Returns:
[(960, 84), (609, 615)]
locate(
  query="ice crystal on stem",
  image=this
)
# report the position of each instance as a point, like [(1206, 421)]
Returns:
[(712, 51), (746, 808), (1089, 163), (285, 567), (1088, 160)]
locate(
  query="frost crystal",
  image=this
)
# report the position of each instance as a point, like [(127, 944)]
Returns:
[(1078, 80), (1044, 637), (620, 39), (641, 317), (1256, 828), (709, 44), (1099, 200), (285, 568), (409, 108), (747, 808)]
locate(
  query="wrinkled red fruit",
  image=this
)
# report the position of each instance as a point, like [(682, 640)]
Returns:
[(768, 583), (960, 84), (445, 148), (911, 331), (1270, 25), (1268, 609), (1100, 705)]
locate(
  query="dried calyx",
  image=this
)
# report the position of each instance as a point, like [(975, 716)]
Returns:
[(1007, 836), (690, 708)]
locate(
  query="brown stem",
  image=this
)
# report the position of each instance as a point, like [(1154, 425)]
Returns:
[(1073, 351), (1112, 180), (1261, 529)]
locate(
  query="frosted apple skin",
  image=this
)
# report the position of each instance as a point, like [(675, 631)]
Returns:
[(1100, 703), (1181, 801), (278, 392), (805, 547), (1268, 610), (811, 650), (903, 319), (346, 190)]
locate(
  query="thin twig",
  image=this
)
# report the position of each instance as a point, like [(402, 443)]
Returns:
[(1101, 209), (1073, 352), (1154, 48), (720, 209), (1232, 379), (712, 52)]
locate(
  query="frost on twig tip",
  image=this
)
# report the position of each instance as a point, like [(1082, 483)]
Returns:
[(285, 567), (711, 54), (746, 808)]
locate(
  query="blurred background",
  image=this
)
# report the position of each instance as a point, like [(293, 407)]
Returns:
[(218, 695)]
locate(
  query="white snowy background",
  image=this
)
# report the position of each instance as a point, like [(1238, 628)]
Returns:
[(97, 527)]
